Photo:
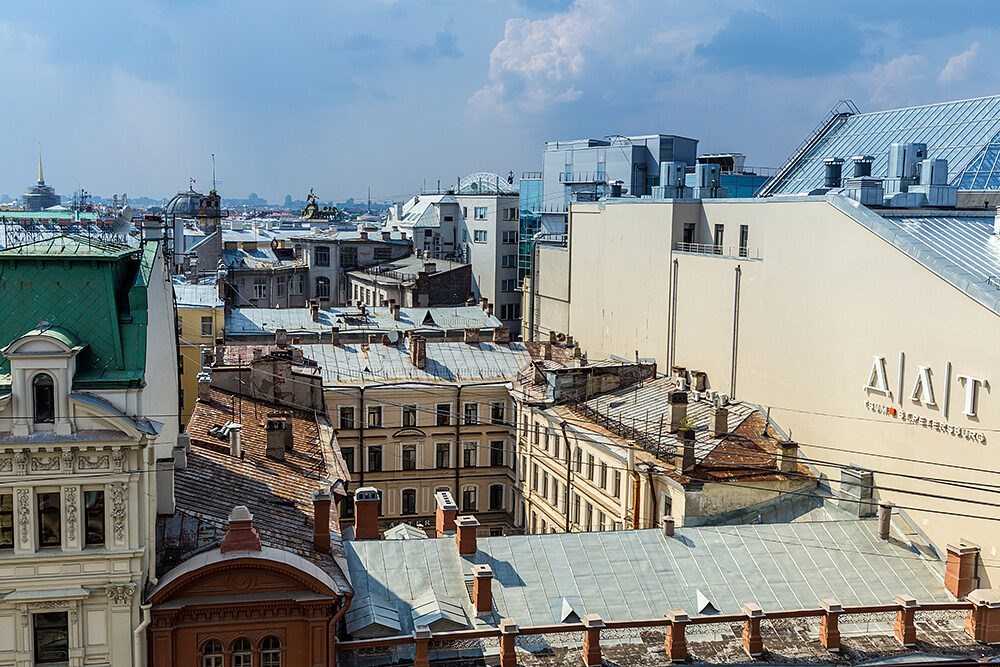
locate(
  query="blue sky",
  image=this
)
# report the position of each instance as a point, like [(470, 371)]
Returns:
[(134, 95)]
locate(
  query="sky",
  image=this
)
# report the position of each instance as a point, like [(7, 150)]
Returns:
[(134, 96)]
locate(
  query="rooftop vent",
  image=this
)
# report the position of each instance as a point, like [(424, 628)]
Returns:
[(862, 165), (833, 168)]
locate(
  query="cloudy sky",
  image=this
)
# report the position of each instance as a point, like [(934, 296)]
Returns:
[(134, 95)]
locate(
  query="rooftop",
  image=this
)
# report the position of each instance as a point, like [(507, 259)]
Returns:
[(405, 269), (188, 295), (243, 322)]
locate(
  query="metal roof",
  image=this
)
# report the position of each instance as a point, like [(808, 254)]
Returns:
[(405, 531), (983, 171), (264, 321), (197, 296), (957, 131), (450, 362)]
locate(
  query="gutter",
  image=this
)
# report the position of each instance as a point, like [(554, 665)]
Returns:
[(136, 657)]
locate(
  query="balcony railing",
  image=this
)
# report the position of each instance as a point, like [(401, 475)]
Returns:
[(742, 252), (583, 177)]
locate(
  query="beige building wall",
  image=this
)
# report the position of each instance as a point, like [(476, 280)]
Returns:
[(192, 339), (825, 298)]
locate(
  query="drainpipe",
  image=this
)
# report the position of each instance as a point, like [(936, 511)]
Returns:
[(458, 440), (569, 472), (331, 630), (361, 436), (136, 654)]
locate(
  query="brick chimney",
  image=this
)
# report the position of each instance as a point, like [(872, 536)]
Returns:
[(788, 456), (280, 337), (465, 535), (394, 309), (501, 335), (240, 535), (961, 573), (334, 335), (684, 453), (471, 336), (678, 409), (720, 422), (236, 440), (324, 303), (279, 435), (482, 589), (204, 385), (553, 337), (983, 621), (418, 351), (366, 501), (314, 310), (447, 510), (321, 520)]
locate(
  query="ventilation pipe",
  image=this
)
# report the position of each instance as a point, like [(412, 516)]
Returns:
[(833, 167)]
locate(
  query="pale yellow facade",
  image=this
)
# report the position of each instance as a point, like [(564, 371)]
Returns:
[(199, 326), (799, 326)]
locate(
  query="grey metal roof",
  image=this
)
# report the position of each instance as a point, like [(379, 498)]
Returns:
[(372, 617), (405, 531), (636, 574), (957, 131), (450, 362), (264, 321), (197, 296)]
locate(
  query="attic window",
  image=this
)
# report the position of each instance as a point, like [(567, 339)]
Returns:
[(44, 396)]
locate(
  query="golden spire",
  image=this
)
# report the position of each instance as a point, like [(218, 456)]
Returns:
[(41, 179)]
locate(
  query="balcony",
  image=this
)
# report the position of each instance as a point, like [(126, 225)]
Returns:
[(583, 177), (739, 252)]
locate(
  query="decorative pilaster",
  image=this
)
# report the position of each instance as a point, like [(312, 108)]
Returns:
[(119, 511), (120, 594), (71, 511), (24, 513), (118, 460)]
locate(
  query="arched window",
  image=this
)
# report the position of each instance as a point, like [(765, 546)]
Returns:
[(43, 392), (322, 286), (242, 653), (211, 653), (270, 652)]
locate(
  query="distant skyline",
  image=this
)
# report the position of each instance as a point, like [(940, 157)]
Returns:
[(134, 96)]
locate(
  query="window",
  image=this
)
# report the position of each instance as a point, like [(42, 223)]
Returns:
[(375, 458), (348, 454), (509, 236), (471, 413), (409, 505), (409, 457), (349, 257), (49, 519), (720, 232), (480, 212), (270, 652), (508, 261), (469, 455), (579, 460), (51, 638), (688, 236), (616, 488), (534, 437), (346, 417), (347, 507), (6, 521), (279, 286), (479, 236), (465, 211), (322, 286), (603, 478), (545, 440), (496, 496), (206, 327), (508, 285), (510, 213), (93, 517), (588, 517), (744, 240), (242, 655), (409, 415), (260, 288), (381, 253), (443, 413), (496, 453), (497, 410), (575, 515), (449, 218), (469, 499), (322, 255), (43, 392), (295, 284), (442, 455), (510, 311), (555, 447), (375, 416)]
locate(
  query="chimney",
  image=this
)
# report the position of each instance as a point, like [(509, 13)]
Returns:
[(220, 283), (204, 385), (386, 236), (334, 335), (678, 409), (220, 350), (257, 352), (720, 422), (364, 236), (240, 535), (862, 165), (482, 590), (788, 456), (207, 356), (321, 520), (489, 309), (501, 335), (430, 267), (884, 519), (366, 502), (279, 435), (961, 572), (394, 308), (236, 440), (465, 535), (668, 526), (418, 351), (483, 303), (553, 337), (447, 510), (471, 336), (324, 303), (281, 337), (314, 310), (684, 452), (165, 501), (180, 451), (546, 351)]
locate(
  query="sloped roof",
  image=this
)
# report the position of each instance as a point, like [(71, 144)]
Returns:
[(405, 531), (244, 322)]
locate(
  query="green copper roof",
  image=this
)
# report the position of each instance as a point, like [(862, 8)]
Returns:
[(94, 292), (61, 335)]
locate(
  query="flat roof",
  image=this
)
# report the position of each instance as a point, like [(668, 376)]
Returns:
[(265, 321)]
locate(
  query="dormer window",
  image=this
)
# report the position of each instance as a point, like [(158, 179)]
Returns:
[(44, 399)]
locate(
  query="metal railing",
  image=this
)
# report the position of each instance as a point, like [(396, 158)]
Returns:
[(741, 252), (583, 177)]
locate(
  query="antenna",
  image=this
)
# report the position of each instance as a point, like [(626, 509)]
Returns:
[(213, 172)]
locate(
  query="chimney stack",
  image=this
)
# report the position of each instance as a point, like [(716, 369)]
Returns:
[(386, 236), (236, 440), (366, 502), (483, 303), (430, 267), (418, 351), (240, 535), (471, 336), (334, 335), (321, 520), (204, 384), (447, 510), (720, 422), (281, 337), (961, 573), (279, 435), (788, 456), (314, 310), (546, 351), (884, 519), (394, 309), (553, 337), (684, 453), (501, 335), (678, 409), (324, 303), (668, 526), (220, 350), (465, 536), (482, 590)]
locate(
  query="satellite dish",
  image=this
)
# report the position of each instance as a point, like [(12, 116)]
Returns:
[(393, 337)]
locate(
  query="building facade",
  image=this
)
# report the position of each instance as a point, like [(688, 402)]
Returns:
[(331, 255), (89, 410), (410, 282), (201, 318)]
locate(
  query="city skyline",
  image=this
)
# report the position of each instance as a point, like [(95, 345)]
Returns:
[(395, 95)]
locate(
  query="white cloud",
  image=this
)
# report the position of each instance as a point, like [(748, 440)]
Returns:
[(959, 66), (896, 81)]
